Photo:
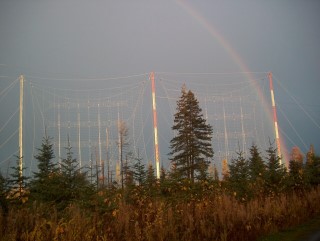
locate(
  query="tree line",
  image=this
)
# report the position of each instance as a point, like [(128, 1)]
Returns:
[(64, 183)]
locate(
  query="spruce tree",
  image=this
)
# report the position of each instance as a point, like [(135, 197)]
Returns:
[(123, 144), (44, 184), (163, 174), (3, 195), (275, 173), (215, 173), (296, 175), (150, 178), (73, 183), (256, 165), (139, 172), (151, 181), (239, 175), (128, 174), (257, 170), (191, 147), (312, 170), (18, 183), (45, 157)]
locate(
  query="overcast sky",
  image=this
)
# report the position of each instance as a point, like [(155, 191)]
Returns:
[(117, 38)]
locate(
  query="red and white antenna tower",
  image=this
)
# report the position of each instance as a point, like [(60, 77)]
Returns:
[(155, 126), (275, 119)]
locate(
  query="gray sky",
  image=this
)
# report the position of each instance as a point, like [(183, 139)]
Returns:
[(92, 39)]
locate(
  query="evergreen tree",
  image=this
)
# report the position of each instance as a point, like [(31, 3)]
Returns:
[(163, 174), (18, 183), (310, 154), (275, 173), (45, 157), (215, 173), (257, 171), (69, 165), (74, 187), (312, 170), (175, 173), (296, 175), (123, 144), (256, 165), (150, 183), (191, 147), (128, 174), (139, 172), (239, 175), (3, 195), (150, 177), (165, 182), (129, 181), (44, 183)]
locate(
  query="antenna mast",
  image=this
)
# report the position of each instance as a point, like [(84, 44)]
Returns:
[(99, 141), (275, 119), (107, 158), (119, 149), (79, 139), (20, 127), (155, 126)]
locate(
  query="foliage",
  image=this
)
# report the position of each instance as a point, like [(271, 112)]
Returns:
[(306, 231), (151, 179), (59, 187), (312, 170), (210, 217), (275, 173), (18, 184), (296, 175), (191, 146), (3, 195), (45, 157), (238, 179), (139, 172), (296, 154), (123, 144), (215, 173), (256, 165), (254, 198), (257, 171), (251, 202), (44, 185), (73, 184)]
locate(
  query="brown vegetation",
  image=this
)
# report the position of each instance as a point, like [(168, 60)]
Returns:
[(212, 217)]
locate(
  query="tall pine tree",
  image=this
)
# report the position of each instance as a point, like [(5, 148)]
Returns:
[(191, 147)]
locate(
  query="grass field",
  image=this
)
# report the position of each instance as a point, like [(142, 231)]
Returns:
[(302, 232)]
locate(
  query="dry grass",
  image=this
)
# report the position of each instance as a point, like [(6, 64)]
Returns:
[(207, 218)]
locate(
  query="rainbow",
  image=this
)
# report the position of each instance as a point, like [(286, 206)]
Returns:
[(238, 60)]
